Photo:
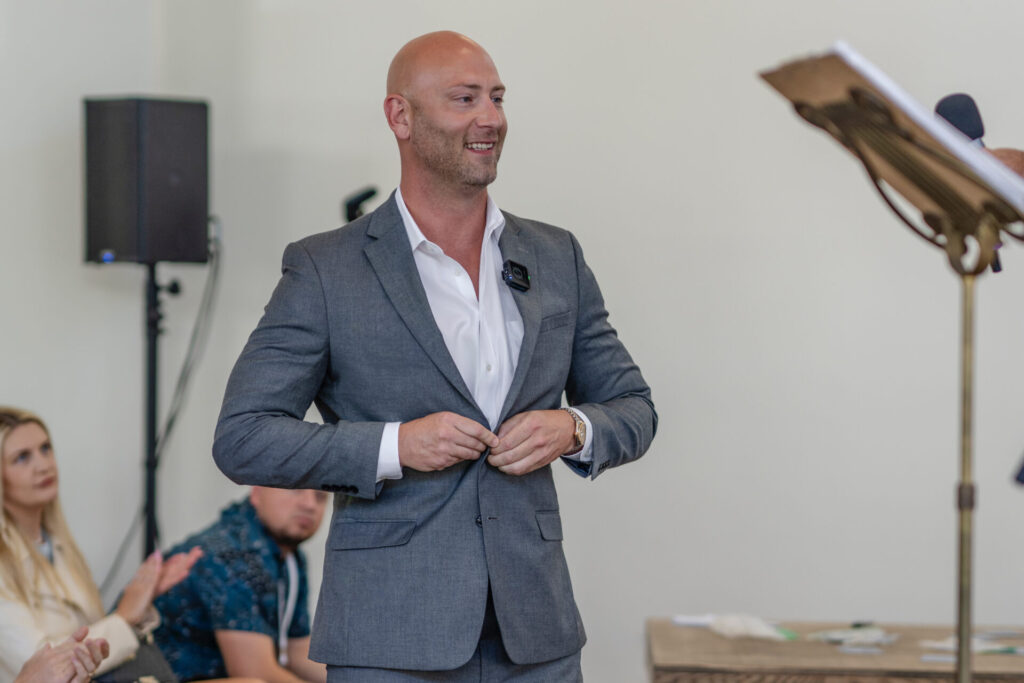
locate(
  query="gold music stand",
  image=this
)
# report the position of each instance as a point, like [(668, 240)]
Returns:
[(966, 198)]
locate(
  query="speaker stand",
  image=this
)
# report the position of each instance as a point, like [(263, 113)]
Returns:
[(153, 317)]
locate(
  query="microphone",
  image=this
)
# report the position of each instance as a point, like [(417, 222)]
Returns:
[(354, 202), (960, 110)]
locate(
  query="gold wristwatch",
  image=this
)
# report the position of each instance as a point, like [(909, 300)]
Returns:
[(580, 435)]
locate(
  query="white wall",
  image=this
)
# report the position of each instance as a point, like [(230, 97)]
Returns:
[(70, 334), (802, 345)]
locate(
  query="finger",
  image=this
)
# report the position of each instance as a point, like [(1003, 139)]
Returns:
[(450, 439), (459, 453), (516, 469), (510, 424), (96, 650), (524, 465), (515, 445), (476, 431), (150, 570), (80, 634), (175, 563), (80, 674), (507, 457), (512, 438), (464, 447), (146, 569), (83, 657)]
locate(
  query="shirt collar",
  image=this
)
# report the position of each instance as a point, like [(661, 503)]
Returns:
[(493, 226)]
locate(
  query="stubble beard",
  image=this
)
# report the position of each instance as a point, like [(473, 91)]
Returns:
[(444, 156), (287, 541)]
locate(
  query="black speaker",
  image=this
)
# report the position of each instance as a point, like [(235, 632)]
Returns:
[(146, 180)]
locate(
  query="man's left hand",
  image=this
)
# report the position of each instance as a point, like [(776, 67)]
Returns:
[(531, 440)]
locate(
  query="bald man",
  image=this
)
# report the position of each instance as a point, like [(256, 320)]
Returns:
[(437, 336)]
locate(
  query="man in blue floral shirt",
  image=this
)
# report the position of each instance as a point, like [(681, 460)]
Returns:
[(243, 609)]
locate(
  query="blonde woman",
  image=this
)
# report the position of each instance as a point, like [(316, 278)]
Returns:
[(46, 590)]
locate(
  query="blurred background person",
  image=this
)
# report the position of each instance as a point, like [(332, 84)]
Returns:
[(243, 611), (46, 589)]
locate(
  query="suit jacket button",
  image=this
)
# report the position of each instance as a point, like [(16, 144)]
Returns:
[(479, 522)]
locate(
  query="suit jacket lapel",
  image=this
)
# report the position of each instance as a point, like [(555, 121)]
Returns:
[(391, 258), (515, 246)]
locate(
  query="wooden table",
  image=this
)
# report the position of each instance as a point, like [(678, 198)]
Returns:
[(683, 654)]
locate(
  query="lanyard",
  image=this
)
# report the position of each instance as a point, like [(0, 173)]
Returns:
[(286, 607)]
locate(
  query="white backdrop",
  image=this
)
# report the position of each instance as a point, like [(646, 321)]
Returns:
[(802, 346)]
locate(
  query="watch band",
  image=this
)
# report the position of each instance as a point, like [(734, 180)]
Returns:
[(580, 435)]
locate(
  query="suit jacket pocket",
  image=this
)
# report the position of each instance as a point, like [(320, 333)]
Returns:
[(556, 320), (550, 523), (350, 534)]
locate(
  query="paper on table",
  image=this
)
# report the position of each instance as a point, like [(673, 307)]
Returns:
[(978, 646), (735, 625)]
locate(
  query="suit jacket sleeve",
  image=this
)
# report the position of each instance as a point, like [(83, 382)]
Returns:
[(261, 437), (606, 384)]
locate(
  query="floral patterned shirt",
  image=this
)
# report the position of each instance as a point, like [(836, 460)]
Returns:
[(233, 586)]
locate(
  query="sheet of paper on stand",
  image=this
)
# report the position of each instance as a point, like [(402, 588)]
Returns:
[(736, 626)]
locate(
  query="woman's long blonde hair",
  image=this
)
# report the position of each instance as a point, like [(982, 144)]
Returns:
[(19, 579)]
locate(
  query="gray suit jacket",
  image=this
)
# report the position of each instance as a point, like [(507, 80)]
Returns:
[(409, 561)]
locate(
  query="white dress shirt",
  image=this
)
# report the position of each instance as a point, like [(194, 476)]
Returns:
[(483, 333)]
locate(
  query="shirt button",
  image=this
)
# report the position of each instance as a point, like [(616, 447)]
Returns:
[(489, 367), (479, 522)]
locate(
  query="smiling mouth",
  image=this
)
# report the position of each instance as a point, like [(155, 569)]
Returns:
[(480, 146)]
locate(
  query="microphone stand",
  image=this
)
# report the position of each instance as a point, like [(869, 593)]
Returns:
[(865, 125)]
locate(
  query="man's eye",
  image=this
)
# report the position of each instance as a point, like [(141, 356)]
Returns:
[(465, 99), (498, 100)]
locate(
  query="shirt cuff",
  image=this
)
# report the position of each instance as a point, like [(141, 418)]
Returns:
[(120, 636), (388, 465), (585, 454)]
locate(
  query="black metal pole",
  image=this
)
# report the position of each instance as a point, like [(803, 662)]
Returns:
[(153, 317)]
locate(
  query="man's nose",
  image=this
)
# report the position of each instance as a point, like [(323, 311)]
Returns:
[(491, 115), (307, 499)]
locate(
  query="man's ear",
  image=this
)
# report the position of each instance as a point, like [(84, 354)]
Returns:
[(397, 110)]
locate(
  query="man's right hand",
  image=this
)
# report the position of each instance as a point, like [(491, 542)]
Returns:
[(440, 440)]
